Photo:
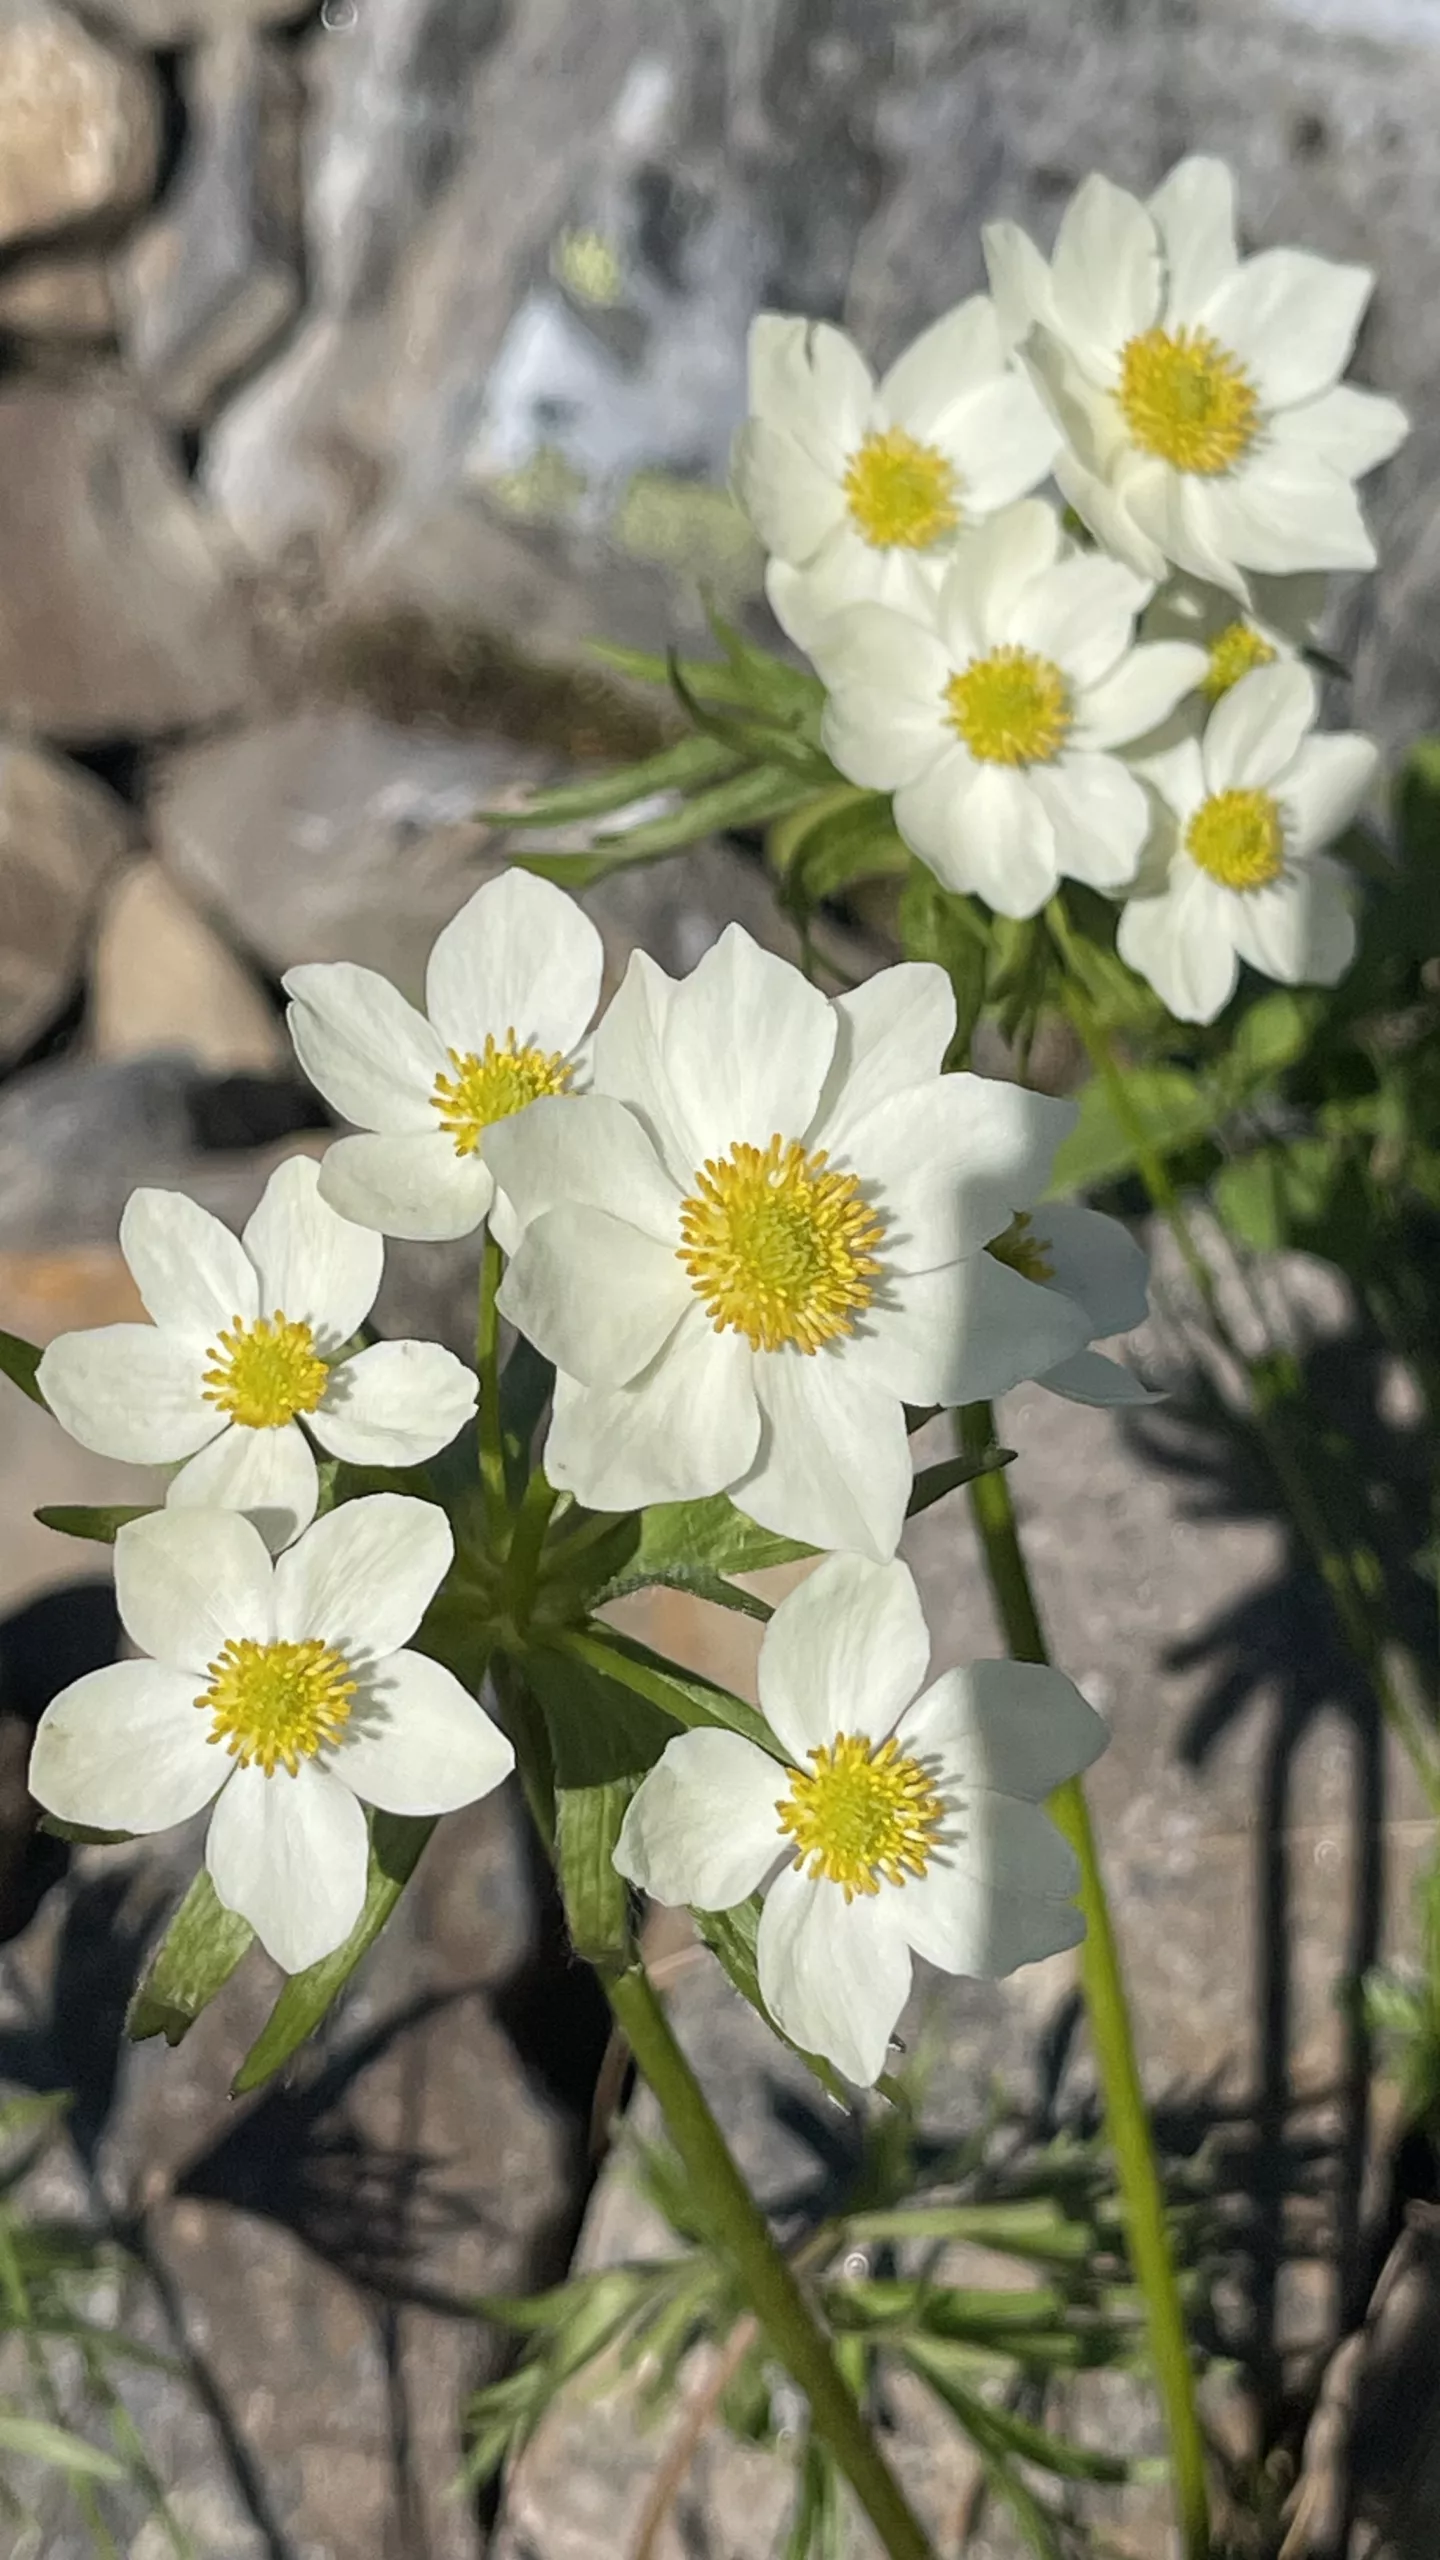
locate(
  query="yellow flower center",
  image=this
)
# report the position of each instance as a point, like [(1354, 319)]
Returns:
[(860, 1817), (779, 1248), (277, 1702), (1185, 397), (1239, 838), (1023, 1250), (1011, 708), (265, 1373), (902, 495), (1234, 652), (493, 1086)]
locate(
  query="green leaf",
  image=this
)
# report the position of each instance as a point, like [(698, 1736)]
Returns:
[(82, 1834), (760, 793), (1174, 1108), (596, 1896), (19, 1362), (711, 1533), (937, 925), (933, 1483), (976, 2420), (689, 760), (681, 1697), (36, 2440), (751, 676), (1270, 1036), (396, 1840), (99, 1521), (195, 1959), (600, 1731)]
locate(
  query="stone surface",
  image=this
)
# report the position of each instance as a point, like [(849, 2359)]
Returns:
[(161, 978), (213, 278), (61, 295), (59, 832), (117, 617), (163, 23), (81, 124)]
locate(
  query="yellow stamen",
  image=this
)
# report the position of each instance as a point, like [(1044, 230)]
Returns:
[(902, 495), (1011, 708), (1023, 1250), (493, 1085), (1234, 652), (1185, 397), (779, 1248), (265, 1373), (277, 1703), (862, 1816), (1239, 838)]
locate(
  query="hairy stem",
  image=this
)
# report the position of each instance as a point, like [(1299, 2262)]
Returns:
[(487, 1361)]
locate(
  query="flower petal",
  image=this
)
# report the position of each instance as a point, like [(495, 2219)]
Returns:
[(124, 1749), (703, 1829), (520, 960), (969, 1330), (1004, 441), (1255, 730), (363, 1576), (1179, 943), (1193, 210), (994, 566), (629, 1063), (589, 1153), (949, 1164), (833, 1465), (193, 1276), (943, 366), (1100, 817), (748, 1043), (1325, 786), (968, 1925), (1138, 694), (416, 1742), (186, 1582), (1006, 841), (930, 815), (1019, 279), (1097, 1262), (845, 1653), (1301, 930), (792, 501), (130, 1391), (370, 1053), (1081, 615), (1353, 431), (847, 573), (1291, 319), (686, 1427), (892, 1033), (594, 1295), (410, 1184), (1014, 1728), (270, 1476), (1105, 274), (874, 735), (1283, 510), (1087, 1377), (812, 381), (291, 1855), (833, 1975), (395, 1404), (315, 1266)]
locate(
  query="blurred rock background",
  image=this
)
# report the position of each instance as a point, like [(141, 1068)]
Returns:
[(357, 363)]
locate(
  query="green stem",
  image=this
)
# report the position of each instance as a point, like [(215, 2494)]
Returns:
[(1111, 2034), (771, 2288), (531, 1523), (487, 1361)]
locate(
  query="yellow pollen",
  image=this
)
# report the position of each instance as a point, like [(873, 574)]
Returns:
[(494, 1085), (1185, 397), (902, 495), (1239, 838), (778, 1247), (277, 1702), (860, 1816), (1234, 652), (265, 1373), (1023, 1250), (1011, 708)]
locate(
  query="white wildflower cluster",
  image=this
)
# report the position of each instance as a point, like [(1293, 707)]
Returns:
[(1124, 704)]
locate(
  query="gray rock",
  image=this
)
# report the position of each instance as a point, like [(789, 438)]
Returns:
[(117, 612), (58, 294), (161, 978), (163, 23), (59, 832), (214, 278), (81, 124), (75, 1139)]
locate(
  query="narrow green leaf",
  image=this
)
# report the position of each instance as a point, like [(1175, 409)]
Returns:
[(859, 843), (99, 1521), (744, 801), (19, 1362), (195, 1959), (688, 761), (600, 1730), (681, 1697), (933, 1483), (790, 834), (396, 1840), (596, 1896), (1174, 1108), (976, 2419), (757, 677), (712, 1533), (82, 1834), (936, 924), (37, 2440)]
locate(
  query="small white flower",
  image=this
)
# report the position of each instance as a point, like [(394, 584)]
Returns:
[(1094, 1264), (762, 1236), (245, 1343), (992, 714), (284, 1690), (860, 488), (1200, 394), (510, 989), (1235, 871), (899, 1829)]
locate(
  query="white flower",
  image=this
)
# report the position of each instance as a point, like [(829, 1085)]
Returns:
[(285, 1686), (992, 714), (245, 1342), (859, 489), (899, 1829), (1199, 393), (1236, 872), (511, 986), (762, 1236), (1098, 1268)]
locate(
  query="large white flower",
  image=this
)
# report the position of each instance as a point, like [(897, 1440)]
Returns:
[(762, 1236), (510, 989), (286, 1691), (898, 1830), (1236, 871), (247, 1342), (1199, 393), (1095, 1265), (859, 488), (993, 708)]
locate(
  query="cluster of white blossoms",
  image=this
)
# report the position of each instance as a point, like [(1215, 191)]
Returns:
[(1025, 694)]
